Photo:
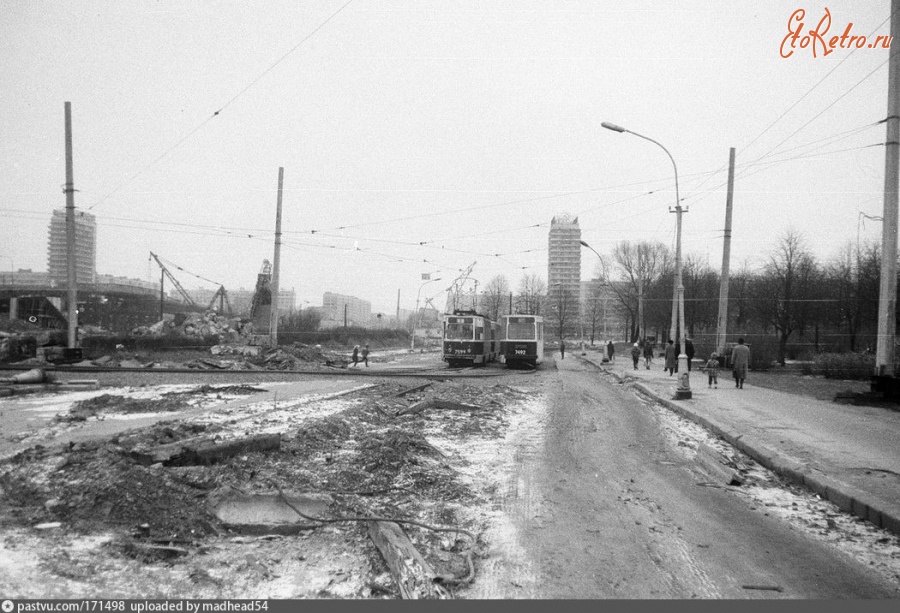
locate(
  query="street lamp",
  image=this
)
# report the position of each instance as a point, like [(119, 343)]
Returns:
[(416, 318), (605, 334), (684, 383)]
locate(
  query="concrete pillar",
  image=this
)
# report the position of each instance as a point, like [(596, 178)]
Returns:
[(13, 308)]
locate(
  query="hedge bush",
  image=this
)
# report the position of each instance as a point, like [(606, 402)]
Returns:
[(858, 366)]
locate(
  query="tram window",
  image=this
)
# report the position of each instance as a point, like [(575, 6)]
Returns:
[(520, 329), (459, 331), (479, 333)]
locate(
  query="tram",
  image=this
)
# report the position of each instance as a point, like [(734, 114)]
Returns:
[(522, 341), (470, 338)]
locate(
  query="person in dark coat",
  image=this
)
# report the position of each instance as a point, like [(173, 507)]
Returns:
[(648, 353), (671, 357), (689, 351), (611, 351), (365, 355), (635, 355), (562, 349), (355, 357), (740, 363)]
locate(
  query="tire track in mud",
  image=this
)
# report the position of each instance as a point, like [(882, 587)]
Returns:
[(507, 570)]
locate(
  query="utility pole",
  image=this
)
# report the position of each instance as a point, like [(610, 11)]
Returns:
[(72, 278), (273, 320), (345, 314), (722, 327), (398, 307), (162, 294), (887, 295)]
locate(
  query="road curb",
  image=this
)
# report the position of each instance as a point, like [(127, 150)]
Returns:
[(846, 497)]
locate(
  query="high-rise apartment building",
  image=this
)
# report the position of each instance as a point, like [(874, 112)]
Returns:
[(335, 307), (85, 248), (564, 266)]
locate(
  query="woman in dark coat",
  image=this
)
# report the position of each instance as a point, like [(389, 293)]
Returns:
[(740, 362), (671, 357)]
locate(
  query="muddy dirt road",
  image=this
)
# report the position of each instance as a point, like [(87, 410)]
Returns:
[(605, 504)]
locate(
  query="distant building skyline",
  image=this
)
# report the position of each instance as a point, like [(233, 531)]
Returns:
[(340, 308)]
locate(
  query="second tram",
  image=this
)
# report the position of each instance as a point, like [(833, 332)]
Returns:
[(522, 341)]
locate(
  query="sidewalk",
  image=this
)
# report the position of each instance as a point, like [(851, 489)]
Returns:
[(847, 454)]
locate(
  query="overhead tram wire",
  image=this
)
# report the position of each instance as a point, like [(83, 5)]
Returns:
[(799, 100), (222, 108)]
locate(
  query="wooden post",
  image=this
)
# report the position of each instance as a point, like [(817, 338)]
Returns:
[(411, 572)]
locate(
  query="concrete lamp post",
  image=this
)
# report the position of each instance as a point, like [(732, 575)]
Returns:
[(683, 390)]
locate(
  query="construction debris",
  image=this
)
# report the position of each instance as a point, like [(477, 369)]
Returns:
[(415, 578), (200, 325), (437, 403), (35, 375), (168, 491), (204, 451), (268, 513)]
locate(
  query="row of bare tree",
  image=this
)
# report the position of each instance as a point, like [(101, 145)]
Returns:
[(829, 305)]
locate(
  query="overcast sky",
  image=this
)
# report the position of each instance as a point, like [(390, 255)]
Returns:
[(424, 136)]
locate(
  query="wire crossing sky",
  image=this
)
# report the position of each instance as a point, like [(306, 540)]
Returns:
[(420, 137)]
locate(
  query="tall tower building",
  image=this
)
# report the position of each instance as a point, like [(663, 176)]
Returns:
[(564, 272), (564, 269), (85, 248)]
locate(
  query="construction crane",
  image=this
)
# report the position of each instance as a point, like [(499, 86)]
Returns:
[(166, 273), (221, 294)]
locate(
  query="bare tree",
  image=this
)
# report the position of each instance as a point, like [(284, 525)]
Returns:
[(563, 310), (495, 299), (633, 272), (532, 291), (785, 289), (701, 291), (851, 287)]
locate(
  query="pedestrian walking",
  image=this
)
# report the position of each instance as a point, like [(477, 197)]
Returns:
[(365, 355), (355, 357), (562, 349), (636, 355), (740, 363), (671, 357), (611, 350), (712, 370), (648, 353), (689, 351)]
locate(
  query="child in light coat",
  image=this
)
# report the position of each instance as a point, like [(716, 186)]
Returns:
[(712, 369)]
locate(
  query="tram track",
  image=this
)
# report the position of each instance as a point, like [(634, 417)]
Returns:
[(476, 373)]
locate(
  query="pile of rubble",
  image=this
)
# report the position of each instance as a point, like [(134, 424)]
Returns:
[(195, 324), (169, 491)]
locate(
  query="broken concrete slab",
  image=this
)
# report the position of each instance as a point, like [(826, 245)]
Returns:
[(267, 513)]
